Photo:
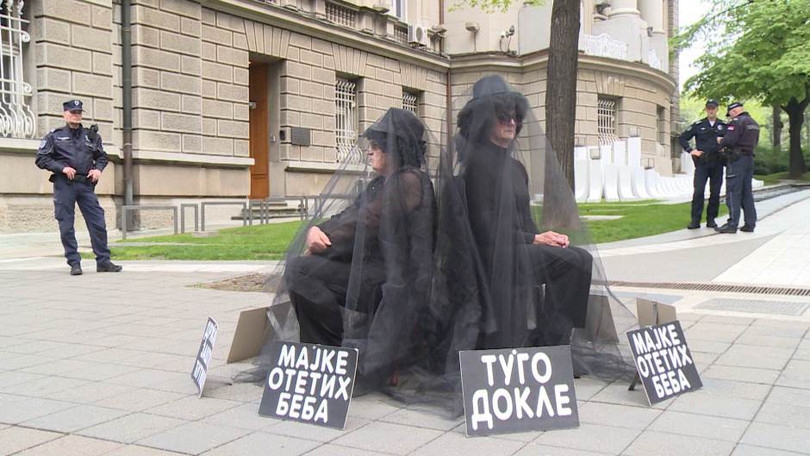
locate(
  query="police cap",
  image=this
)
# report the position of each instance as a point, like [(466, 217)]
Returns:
[(72, 105)]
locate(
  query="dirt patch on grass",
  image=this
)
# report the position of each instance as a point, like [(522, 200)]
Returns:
[(250, 282)]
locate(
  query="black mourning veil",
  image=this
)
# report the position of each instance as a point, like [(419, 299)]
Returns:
[(368, 285), (492, 288), (436, 255)]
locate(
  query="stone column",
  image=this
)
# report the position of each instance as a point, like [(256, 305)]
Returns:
[(652, 11), (623, 8)]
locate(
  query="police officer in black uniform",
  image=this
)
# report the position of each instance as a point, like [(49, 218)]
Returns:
[(708, 164), (76, 157), (742, 136)]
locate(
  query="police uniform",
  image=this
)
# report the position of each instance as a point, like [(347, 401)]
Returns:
[(82, 150), (742, 137), (708, 167)]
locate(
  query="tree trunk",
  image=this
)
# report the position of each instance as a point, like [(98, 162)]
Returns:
[(795, 111), (776, 131), (561, 84)]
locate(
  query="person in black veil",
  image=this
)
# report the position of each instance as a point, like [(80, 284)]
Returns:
[(499, 280), (530, 275), (360, 278)]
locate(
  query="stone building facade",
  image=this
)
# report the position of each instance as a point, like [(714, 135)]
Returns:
[(235, 99)]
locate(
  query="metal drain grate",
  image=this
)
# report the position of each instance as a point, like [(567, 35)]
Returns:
[(751, 289), (795, 309)]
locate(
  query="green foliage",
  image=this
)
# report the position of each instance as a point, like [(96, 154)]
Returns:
[(492, 6), (755, 49)]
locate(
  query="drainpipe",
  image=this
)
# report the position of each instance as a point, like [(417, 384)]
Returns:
[(126, 83), (448, 88)]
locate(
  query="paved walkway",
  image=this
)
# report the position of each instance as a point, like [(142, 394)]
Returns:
[(99, 365)]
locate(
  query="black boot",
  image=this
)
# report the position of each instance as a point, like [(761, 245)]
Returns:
[(711, 224), (108, 266), (726, 229), (693, 226), (75, 269)]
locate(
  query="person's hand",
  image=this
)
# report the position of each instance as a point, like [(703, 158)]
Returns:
[(317, 240), (69, 172), (719, 140), (696, 153), (94, 175), (551, 238)]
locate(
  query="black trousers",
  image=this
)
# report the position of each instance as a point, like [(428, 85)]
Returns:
[(318, 287), (739, 192), (66, 194), (712, 172), (566, 273)]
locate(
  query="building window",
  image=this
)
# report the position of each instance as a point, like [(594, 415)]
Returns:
[(399, 9), (16, 117), (661, 124), (607, 120), (341, 15), (346, 121), (410, 102)]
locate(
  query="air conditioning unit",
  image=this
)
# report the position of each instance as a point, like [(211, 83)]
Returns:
[(418, 35)]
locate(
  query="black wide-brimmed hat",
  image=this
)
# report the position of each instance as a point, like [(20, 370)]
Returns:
[(489, 92)]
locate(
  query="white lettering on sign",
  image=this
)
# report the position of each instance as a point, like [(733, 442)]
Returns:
[(661, 356)]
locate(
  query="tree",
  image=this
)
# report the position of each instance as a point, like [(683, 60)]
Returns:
[(561, 75), (757, 49)]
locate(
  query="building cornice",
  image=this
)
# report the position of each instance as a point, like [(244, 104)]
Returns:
[(539, 59), (277, 16)]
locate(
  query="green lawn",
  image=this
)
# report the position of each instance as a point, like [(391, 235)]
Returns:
[(262, 242), (640, 219), (269, 242), (775, 178)]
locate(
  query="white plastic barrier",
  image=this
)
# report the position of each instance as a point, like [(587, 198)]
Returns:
[(581, 181), (580, 153), (611, 177), (634, 151), (595, 180), (638, 183), (606, 154), (619, 153), (651, 183), (625, 184)]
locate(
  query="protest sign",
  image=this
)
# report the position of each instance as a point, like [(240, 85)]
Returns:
[(518, 389), (309, 383), (200, 371), (663, 361)]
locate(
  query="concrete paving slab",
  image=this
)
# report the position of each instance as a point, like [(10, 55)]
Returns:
[(454, 444), (75, 419), (708, 427), (777, 437), (72, 445), (591, 437), (131, 428), (796, 375), (193, 438), (259, 442), (664, 444), (395, 438), (17, 438)]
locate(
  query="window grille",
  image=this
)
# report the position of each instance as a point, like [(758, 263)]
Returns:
[(341, 15), (346, 120), (16, 117), (607, 120), (410, 102)]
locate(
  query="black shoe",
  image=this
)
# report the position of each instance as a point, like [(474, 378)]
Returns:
[(726, 229), (747, 228), (108, 267), (693, 226), (75, 269), (711, 224)]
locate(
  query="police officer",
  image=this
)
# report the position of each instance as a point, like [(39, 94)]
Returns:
[(76, 157), (708, 165), (742, 136)]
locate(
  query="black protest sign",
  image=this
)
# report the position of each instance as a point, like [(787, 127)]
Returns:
[(663, 361), (309, 383), (518, 389), (200, 371)]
